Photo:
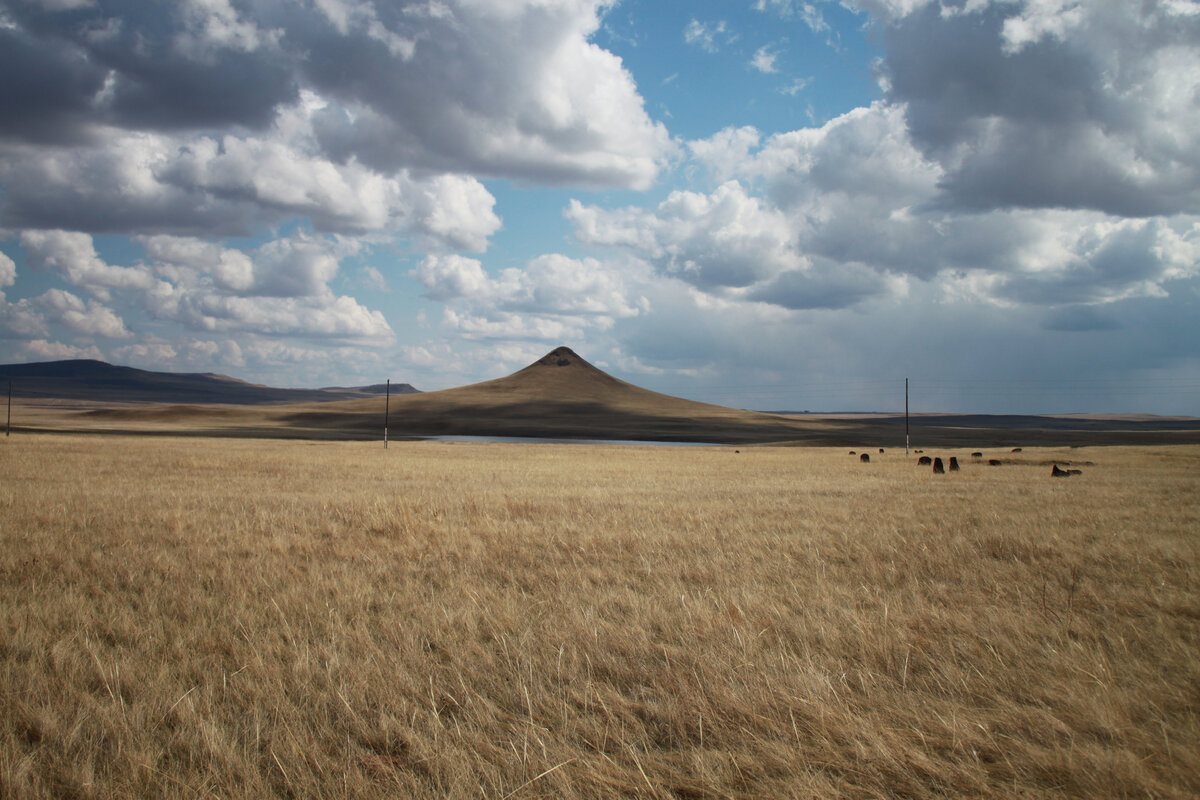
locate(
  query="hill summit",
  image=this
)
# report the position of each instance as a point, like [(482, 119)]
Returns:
[(565, 379), (561, 357)]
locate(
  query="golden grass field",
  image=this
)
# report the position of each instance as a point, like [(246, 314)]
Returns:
[(246, 619)]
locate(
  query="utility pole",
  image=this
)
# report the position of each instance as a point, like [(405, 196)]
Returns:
[(906, 417), (387, 401), (8, 425)]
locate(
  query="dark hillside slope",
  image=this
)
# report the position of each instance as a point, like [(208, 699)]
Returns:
[(100, 382)]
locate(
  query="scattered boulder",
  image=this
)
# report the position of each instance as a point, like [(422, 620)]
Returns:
[(881, 449), (853, 453), (923, 460), (938, 467), (976, 455), (1016, 450), (954, 463), (865, 458), (994, 462), (1074, 472), (1055, 472), (918, 451)]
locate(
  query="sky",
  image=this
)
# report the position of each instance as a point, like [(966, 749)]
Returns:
[(769, 204)]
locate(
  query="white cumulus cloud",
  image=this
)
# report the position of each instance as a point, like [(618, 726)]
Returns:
[(54, 351), (8, 271), (74, 255), (553, 298), (764, 59), (708, 36), (86, 319)]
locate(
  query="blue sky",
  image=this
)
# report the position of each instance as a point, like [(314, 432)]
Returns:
[(779, 204)]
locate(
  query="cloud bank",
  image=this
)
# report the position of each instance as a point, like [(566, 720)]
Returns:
[(1025, 181)]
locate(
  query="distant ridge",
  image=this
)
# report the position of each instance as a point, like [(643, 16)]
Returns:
[(558, 396), (101, 382)]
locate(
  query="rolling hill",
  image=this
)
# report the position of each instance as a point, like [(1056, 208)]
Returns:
[(99, 382), (559, 395)]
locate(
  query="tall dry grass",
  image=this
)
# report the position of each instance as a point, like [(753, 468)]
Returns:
[(201, 618)]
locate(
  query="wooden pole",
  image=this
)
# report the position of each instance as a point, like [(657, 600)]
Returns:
[(387, 401), (906, 417), (8, 425)]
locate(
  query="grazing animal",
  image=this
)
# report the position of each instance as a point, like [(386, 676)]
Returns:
[(994, 462), (1055, 472), (865, 458), (954, 463), (976, 455), (923, 460), (918, 451), (938, 467)]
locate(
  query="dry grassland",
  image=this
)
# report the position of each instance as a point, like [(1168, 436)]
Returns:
[(245, 619)]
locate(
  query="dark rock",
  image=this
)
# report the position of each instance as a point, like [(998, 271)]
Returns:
[(938, 467), (923, 460), (864, 458), (994, 462), (954, 463)]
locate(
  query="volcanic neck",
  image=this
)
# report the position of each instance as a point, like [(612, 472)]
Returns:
[(553, 362), (561, 357)]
